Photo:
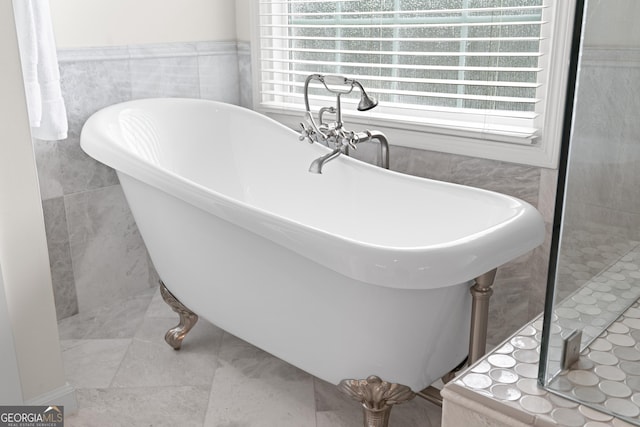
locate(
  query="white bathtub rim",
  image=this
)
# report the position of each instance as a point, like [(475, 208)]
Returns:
[(397, 267)]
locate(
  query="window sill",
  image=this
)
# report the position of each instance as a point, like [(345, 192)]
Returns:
[(463, 142)]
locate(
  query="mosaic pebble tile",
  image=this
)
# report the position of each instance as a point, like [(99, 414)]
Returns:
[(601, 389), (596, 272), (593, 304)]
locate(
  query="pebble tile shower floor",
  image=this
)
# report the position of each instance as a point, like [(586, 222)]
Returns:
[(126, 375)]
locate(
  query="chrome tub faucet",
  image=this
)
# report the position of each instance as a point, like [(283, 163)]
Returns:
[(333, 134)]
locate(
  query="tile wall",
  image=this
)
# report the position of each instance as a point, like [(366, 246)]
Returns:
[(602, 212), (97, 255)]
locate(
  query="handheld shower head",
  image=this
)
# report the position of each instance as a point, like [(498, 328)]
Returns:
[(366, 102)]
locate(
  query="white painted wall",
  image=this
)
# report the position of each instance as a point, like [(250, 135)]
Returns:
[(23, 247), (92, 23), (612, 23), (243, 28), (88, 23)]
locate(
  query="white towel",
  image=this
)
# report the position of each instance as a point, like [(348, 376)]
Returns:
[(27, 40), (47, 112)]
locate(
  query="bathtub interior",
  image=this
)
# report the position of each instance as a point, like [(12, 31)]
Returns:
[(255, 161)]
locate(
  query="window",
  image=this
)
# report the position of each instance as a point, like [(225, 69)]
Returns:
[(470, 77)]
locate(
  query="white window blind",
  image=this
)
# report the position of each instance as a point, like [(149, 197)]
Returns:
[(466, 66)]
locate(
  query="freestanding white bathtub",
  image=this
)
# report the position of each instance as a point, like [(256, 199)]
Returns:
[(355, 272)]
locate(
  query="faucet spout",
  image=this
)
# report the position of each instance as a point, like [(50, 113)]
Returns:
[(317, 165)]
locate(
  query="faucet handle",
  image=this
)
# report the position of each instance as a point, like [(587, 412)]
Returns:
[(345, 141), (349, 139), (305, 133)]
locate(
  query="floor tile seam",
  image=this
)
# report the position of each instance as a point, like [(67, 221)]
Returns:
[(213, 377), (144, 387), (92, 327), (169, 315), (160, 317), (75, 342), (314, 381), (108, 340), (122, 359), (81, 340)]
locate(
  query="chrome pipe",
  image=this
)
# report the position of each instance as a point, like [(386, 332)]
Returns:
[(384, 147), (330, 110), (306, 89), (480, 292)]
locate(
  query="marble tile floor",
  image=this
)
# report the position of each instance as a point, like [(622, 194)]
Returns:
[(126, 375)]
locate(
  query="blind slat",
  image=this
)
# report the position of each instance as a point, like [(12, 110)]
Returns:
[(488, 98), (360, 25), (287, 2), (461, 11), (405, 66), (405, 53), (432, 11), (404, 39), (364, 77), (475, 115)]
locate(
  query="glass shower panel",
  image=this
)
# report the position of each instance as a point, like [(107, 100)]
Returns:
[(597, 273)]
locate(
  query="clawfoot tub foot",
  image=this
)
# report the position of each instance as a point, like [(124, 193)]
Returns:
[(377, 398), (188, 318)]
